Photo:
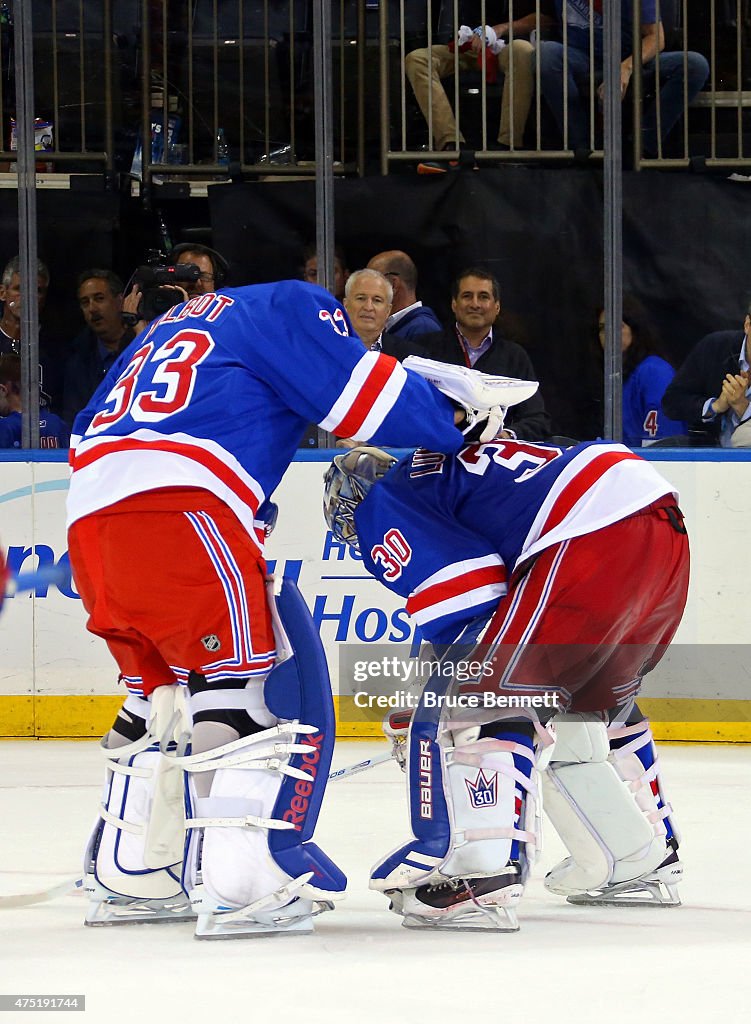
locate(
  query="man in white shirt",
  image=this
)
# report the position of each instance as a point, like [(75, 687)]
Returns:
[(367, 299)]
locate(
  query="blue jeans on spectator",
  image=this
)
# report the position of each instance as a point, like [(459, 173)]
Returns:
[(671, 91)]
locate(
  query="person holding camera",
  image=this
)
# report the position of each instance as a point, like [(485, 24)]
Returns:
[(100, 298), (212, 266), (190, 270)]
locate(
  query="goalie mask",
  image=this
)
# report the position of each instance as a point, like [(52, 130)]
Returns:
[(347, 481)]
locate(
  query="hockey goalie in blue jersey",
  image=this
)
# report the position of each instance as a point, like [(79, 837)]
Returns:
[(525, 566), (174, 461)]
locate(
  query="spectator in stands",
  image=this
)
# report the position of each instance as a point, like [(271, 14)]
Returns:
[(51, 358), (367, 299), (53, 433), (553, 58), (425, 68), (341, 272), (213, 267), (94, 350), (709, 390), (408, 317), (474, 340), (646, 374), (10, 295)]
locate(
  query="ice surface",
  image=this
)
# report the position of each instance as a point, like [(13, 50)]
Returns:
[(577, 965)]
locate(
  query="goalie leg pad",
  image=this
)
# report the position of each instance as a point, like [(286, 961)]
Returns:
[(635, 759), (133, 857), (471, 805), (612, 845), (251, 867)]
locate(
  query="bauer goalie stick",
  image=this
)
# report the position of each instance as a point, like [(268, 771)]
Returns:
[(28, 899)]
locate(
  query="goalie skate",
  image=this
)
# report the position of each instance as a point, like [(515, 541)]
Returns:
[(656, 890), (463, 904), (108, 908)]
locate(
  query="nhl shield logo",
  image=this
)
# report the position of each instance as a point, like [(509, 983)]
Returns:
[(483, 792), (211, 642)]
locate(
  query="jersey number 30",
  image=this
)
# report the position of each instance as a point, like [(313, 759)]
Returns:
[(394, 554), (155, 384)]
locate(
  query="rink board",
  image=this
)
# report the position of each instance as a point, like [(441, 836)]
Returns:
[(56, 679)]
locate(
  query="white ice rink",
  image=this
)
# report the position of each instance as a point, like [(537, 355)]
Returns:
[(577, 965)]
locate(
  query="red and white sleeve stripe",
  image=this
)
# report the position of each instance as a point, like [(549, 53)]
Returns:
[(367, 398), (463, 585)]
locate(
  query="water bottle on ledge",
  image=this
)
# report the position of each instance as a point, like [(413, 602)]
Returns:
[(222, 150)]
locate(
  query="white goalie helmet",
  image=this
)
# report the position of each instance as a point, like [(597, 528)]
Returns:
[(346, 482)]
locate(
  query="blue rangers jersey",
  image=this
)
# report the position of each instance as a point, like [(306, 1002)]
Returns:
[(217, 392), (447, 531), (53, 432)]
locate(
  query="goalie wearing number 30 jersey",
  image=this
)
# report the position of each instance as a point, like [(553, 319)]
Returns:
[(561, 576), (448, 533), (174, 461)]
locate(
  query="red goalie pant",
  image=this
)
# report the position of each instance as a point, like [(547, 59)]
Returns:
[(592, 614), (174, 584)]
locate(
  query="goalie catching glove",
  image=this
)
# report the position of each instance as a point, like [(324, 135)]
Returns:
[(484, 397)]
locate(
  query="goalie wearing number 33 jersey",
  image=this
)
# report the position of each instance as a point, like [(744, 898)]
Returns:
[(555, 575), (174, 461)]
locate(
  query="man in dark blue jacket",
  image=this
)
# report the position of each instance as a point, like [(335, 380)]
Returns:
[(409, 317)]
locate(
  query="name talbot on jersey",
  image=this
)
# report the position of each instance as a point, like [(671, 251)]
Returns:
[(198, 306)]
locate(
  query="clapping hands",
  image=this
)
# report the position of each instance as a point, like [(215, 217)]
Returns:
[(733, 395)]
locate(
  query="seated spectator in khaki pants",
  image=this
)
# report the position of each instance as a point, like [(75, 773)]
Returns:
[(425, 68)]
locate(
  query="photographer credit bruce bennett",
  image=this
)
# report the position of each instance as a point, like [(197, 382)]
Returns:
[(407, 699)]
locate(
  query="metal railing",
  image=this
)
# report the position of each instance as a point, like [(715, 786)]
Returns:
[(215, 86), (229, 84), (410, 118)]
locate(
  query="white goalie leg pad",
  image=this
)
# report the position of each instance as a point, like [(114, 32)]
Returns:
[(635, 759), (133, 858), (643, 779), (482, 787), (594, 812), (253, 802), (236, 885), (482, 818)]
